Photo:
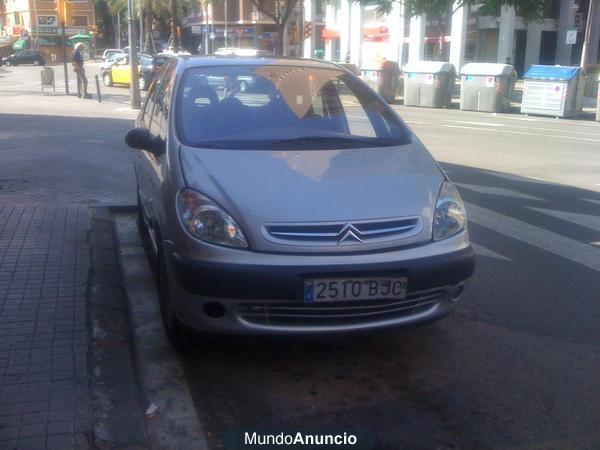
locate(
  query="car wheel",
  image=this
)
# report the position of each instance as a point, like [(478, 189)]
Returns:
[(243, 86), (107, 79), (8, 64), (142, 83), (36, 62), (176, 331)]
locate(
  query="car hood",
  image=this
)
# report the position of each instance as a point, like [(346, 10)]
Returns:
[(259, 187)]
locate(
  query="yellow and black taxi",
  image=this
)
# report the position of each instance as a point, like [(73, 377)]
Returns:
[(116, 71)]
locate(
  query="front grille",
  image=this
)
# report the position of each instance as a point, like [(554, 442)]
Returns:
[(337, 313), (342, 233)]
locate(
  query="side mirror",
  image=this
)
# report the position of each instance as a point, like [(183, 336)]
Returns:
[(141, 139)]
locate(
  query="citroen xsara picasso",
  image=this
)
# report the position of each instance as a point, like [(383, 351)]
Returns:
[(302, 205)]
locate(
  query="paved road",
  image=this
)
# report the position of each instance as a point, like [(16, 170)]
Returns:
[(515, 366)]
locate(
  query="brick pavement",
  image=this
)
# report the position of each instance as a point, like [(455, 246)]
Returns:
[(44, 263), (56, 161)]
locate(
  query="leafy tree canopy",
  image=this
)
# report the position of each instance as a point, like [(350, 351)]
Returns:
[(528, 9)]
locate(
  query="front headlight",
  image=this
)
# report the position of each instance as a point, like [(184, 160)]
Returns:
[(206, 220), (450, 216)]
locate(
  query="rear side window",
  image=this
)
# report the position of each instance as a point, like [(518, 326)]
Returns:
[(283, 106)]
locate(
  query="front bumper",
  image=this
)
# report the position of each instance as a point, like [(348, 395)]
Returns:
[(227, 297)]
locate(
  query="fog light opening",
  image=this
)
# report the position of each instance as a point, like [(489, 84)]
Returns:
[(214, 310), (456, 292)]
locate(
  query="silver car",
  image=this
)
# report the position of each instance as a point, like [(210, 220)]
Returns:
[(304, 206)]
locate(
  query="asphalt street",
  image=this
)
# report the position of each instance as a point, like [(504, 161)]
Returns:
[(516, 365)]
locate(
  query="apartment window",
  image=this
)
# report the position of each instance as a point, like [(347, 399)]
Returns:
[(80, 21)]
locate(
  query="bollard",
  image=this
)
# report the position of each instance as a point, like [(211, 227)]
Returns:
[(98, 89)]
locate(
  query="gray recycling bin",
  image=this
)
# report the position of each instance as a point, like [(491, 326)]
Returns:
[(553, 91), (47, 78), (487, 87), (429, 83)]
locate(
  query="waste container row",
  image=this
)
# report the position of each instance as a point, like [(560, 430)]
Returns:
[(548, 90)]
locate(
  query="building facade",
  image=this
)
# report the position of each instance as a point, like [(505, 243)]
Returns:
[(37, 24), (462, 35)]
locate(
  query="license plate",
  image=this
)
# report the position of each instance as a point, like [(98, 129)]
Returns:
[(341, 289)]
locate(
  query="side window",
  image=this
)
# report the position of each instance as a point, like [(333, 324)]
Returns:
[(162, 103)]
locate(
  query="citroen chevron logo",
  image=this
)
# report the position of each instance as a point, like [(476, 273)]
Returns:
[(348, 234)]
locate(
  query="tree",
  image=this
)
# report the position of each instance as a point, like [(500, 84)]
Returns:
[(279, 11), (528, 9)]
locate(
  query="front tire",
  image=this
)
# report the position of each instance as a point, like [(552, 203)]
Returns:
[(176, 331), (8, 64), (107, 79), (36, 62)]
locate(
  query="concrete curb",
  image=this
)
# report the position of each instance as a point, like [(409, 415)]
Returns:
[(175, 424)]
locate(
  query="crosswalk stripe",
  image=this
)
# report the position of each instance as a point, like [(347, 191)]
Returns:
[(586, 220), (597, 202), (484, 251), (490, 190), (562, 246)]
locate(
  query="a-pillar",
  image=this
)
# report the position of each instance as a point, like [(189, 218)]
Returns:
[(533, 45), (566, 22), (458, 35), (416, 46), (356, 37), (506, 34)]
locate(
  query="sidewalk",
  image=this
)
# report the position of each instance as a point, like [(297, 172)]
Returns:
[(60, 155)]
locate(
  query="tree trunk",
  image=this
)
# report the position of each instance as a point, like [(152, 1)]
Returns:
[(149, 44), (280, 37)]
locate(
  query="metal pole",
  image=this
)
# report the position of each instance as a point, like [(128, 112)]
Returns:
[(141, 26), (64, 55), (349, 31), (225, 23), (134, 87), (301, 28), (118, 30), (98, 89), (588, 32)]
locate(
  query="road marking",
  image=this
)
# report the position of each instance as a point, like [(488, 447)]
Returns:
[(513, 177), (562, 246), (484, 251), (414, 122), (597, 202), (489, 190), (554, 136), (586, 220), (486, 124)]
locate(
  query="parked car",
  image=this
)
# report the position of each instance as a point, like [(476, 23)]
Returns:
[(307, 206), (117, 71), (110, 53), (24, 57)]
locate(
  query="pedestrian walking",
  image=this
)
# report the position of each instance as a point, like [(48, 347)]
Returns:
[(77, 60)]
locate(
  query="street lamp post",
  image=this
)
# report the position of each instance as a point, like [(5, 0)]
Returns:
[(134, 87)]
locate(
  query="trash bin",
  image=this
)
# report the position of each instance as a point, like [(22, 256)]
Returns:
[(384, 80), (487, 87), (389, 79), (47, 76), (553, 91), (429, 83)]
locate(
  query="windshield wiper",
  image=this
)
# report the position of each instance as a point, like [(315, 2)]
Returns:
[(328, 140)]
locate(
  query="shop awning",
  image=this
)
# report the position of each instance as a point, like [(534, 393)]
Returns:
[(20, 44), (81, 37)]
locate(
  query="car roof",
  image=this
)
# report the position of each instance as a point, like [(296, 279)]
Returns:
[(203, 61)]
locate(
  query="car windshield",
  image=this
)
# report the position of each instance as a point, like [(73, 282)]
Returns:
[(267, 106)]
